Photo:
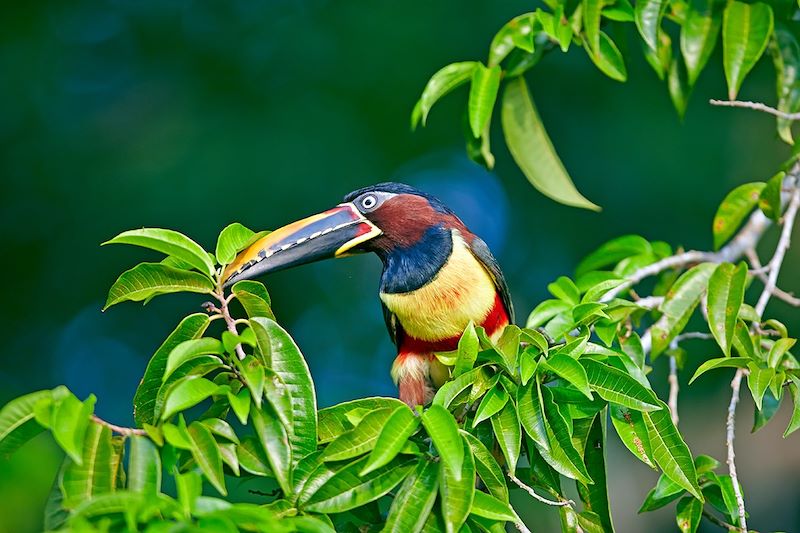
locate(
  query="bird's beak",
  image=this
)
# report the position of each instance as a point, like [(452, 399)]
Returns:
[(328, 234)]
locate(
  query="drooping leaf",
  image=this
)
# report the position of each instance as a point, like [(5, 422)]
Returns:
[(467, 351), (252, 457), (396, 430), (414, 500), (786, 58), (616, 386), (290, 365), (609, 59), (678, 85), (191, 349), (506, 428), (94, 475), (563, 456), (443, 430), (482, 95), (70, 423), (770, 199), (240, 403), (516, 33), (721, 362), (487, 506), (232, 240), (531, 415), (591, 10), (254, 298), (794, 422), (613, 252), (333, 420), (144, 401), (725, 295), (632, 431), (769, 407), (359, 440), (492, 402), (17, 421), (734, 209), (758, 380), (595, 495), (144, 466), (146, 280), (205, 451), (532, 149), (647, 15), (168, 242), (679, 304), (699, 34), (746, 29), (186, 393), (670, 451), (487, 468), (688, 514), (274, 441), (569, 369), (457, 489), (441, 83)]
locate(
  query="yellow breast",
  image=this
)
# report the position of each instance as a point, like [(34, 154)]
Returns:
[(461, 291)]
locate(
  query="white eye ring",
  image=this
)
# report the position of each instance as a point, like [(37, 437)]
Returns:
[(369, 202)]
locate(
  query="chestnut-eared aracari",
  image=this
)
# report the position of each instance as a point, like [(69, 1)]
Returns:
[(437, 275)]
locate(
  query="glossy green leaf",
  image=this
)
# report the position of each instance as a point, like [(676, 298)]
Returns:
[(616, 386), (457, 489), (347, 490), (679, 304), (531, 415), (678, 85), (699, 34), (794, 422), (595, 495), (769, 407), (220, 428), (724, 297), (205, 451), (608, 59), (545, 311), (168, 242), (564, 289), (721, 362), (487, 468), (233, 239), (17, 421), (254, 298), (632, 431), (467, 351), (443, 430), (441, 83), (632, 347), (734, 209), (252, 457), (569, 369), (506, 428), (648, 14), (191, 327), (333, 420), (562, 456), (274, 441), (186, 393), (591, 10), (359, 440), (688, 514), (144, 466), (670, 451), (450, 390), (532, 149), (487, 506), (398, 427), (70, 423), (786, 58), (746, 29), (414, 500), (290, 365), (191, 349), (613, 252), (516, 33), (240, 403), (482, 95), (146, 280), (769, 201), (94, 474), (661, 58), (492, 402), (254, 375), (758, 380)]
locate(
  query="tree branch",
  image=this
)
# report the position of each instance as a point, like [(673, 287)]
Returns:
[(757, 106), (118, 429), (529, 490), (721, 523), (672, 403), (760, 272), (731, 433), (229, 321)]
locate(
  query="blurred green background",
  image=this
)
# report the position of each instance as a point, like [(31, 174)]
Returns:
[(190, 115)]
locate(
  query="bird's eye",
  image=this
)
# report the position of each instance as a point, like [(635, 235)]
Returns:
[(369, 201)]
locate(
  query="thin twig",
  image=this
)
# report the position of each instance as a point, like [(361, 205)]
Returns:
[(529, 490), (673, 390), (721, 523), (118, 429), (650, 302), (757, 106), (731, 434), (522, 528), (780, 251), (761, 273), (229, 321)]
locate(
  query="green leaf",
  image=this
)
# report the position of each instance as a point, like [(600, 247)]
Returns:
[(670, 451), (457, 489), (359, 440), (146, 280), (661, 58), (564, 289), (734, 209), (487, 506), (678, 85), (532, 149), (441, 83), (487, 468), (794, 422), (290, 365), (94, 474), (758, 380), (205, 451), (254, 298), (770, 199), (492, 402), (688, 514), (333, 420), (609, 59), (721, 362), (563, 456), (347, 490), (786, 58), (70, 423), (191, 349), (569, 369), (467, 351), (144, 466), (170, 243), (191, 327), (414, 500), (647, 15), (220, 428), (531, 416), (482, 95), (240, 403), (397, 428), (746, 29), (632, 431), (186, 393), (769, 407), (516, 33), (679, 304), (724, 298), (613, 252), (443, 430), (17, 421), (506, 428), (699, 34), (450, 390), (632, 346), (616, 386), (275, 443), (591, 22), (595, 495), (545, 311), (252, 457), (232, 240), (254, 374), (778, 350)]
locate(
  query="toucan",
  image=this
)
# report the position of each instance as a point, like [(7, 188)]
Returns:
[(437, 275)]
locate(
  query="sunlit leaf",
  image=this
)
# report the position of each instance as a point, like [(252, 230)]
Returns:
[(492, 402), (252, 457), (232, 240), (516, 33), (608, 59), (545, 311), (254, 298), (441, 83), (457, 489), (205, 451), (482, 95), (168, 242), (414, 500), (569, 369), (144, 466), (359, 440), (758, 379), (563, 456), (191, 349), (616, 386), (786, 58), (397, 428), (94, 475), (647, 15), (613, 252), (632, 431), (443, 430), (467, 351), (274, 441), (487, 506), (699, 34), (17, 421), (734, 209), (187, 393), (333, 420), (595, 495), (487, 468), (151, 279), (769, 201), (746, 29), (721, 362), (506, 428), (725, 295)]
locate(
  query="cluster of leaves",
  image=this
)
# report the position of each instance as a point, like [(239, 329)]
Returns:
[(746, 29)]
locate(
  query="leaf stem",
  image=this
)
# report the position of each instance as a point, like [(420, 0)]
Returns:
[(226, 314), (118, 429), (529, 490)]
